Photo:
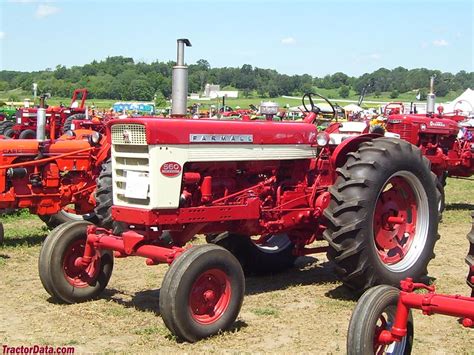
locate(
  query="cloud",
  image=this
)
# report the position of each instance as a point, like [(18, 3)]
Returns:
[(2, 35), (288, 41), (375, 56), (46, 10), (440, 43)]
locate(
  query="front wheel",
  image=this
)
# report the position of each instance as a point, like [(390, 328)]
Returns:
[(60, 275), (374, 313), (383, 215), (202, 292)]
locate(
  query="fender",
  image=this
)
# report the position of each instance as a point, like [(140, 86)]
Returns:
[(339, 155)]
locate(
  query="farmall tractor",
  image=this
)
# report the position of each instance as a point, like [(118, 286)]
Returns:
[(53, 178), (58, 118), (382, 321), (262, 192), (442, 137)]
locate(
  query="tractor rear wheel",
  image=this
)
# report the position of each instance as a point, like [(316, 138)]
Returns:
[(272, 256), (104, 196), (202, 292), (382, 220), (67, 126), (60, 275), (7, 129), (3, 124), (27, 134), (374, 313)]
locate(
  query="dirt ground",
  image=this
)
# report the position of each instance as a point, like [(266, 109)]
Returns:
[(305, 309)]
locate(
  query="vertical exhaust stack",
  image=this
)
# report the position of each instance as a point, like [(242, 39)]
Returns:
[(41, 119), (431, 98), (179, 85)]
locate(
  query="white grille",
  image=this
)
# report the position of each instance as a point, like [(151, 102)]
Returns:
[(129, 134), (127, 158)]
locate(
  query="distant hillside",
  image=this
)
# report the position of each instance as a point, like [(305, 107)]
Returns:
[(120, 78)]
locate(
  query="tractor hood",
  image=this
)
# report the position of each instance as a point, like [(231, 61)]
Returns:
[(205, 131), (433, 125)]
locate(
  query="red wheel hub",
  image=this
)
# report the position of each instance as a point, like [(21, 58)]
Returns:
[(76, 275), (395, 220), (210, 296)]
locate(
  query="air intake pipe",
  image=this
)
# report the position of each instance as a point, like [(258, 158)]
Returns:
[(179, 85)]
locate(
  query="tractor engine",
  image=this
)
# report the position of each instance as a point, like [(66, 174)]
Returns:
[(45, 176), (164, 164)]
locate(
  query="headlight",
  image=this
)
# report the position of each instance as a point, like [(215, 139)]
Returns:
[(95, 137), (322, 139), (70, 133)]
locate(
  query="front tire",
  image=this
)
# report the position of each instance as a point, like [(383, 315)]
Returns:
[(374, 313), (202, 292), (383, 215), (58, 273)]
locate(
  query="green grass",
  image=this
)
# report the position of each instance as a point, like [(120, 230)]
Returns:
[(244, 103)]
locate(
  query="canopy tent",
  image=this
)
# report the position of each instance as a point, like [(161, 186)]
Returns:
[(465, 102), (353, 108)]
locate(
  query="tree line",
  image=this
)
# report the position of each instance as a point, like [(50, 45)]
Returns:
[(121, 78)]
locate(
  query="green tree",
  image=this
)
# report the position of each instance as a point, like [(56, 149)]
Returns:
[(344, 91), (394, 94)]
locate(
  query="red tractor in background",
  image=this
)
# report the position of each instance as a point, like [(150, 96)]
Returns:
[(262, 192), (446, 139), (58, 116), (382, 321), (53, 178)]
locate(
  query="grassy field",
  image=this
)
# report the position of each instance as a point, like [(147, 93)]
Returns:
[(305, 309), (332, 94)]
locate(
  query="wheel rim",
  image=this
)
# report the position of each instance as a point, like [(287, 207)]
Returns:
[(385, 322), (69, 212), (401, 221), (78, 276), (275, 243), (210, 296)]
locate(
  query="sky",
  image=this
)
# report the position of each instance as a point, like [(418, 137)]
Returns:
[(293, 37)]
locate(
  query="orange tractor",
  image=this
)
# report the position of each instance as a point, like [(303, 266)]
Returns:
[(53, 178)]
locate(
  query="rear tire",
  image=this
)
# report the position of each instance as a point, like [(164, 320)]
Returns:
[(27, 134), (202, 292), (68, 122), (60, 277), (375, 312), (276, 255), (383, 215), (104, 196)]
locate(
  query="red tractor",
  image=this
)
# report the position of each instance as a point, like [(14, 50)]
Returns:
[(58, 118), (262, 192), (447, 140), (53, 178), (382, 321)]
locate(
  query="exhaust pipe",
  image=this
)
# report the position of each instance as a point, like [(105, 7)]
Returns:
[(179, 85), (41, 125), (431, 98)]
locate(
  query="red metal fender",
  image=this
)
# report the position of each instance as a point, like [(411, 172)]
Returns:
[(339, 156)]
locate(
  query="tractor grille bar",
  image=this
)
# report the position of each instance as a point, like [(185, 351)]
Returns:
[(129, 134), (130, 164)]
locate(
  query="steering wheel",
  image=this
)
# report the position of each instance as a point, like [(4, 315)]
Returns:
[(315, 108)]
